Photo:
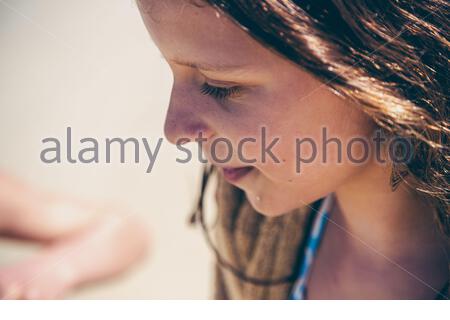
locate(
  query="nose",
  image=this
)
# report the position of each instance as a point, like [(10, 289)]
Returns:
[(184, 119)]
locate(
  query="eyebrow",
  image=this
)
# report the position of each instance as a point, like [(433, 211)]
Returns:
[(210, 67)]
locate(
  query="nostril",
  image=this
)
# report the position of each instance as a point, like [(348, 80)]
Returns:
[(194, 130), (183, 141)]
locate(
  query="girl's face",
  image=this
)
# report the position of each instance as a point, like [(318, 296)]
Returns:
[(227, 85)]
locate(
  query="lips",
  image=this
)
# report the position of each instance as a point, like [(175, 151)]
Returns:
[(235, 174)]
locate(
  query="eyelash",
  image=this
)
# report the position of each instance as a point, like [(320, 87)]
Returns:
[(219, 93)]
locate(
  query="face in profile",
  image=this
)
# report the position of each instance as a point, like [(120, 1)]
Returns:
[(228, 86)]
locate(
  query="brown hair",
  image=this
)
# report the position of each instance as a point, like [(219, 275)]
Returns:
[(390, 57)]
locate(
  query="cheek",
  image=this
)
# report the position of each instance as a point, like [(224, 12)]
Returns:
[(298, 180), (302, 124), (313, 120), (279, 190)]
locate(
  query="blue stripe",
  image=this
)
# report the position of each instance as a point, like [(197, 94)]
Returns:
[(313, 242)]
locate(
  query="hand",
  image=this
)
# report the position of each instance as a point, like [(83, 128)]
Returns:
[(41, 277)]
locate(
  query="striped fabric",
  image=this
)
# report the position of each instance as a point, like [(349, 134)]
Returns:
[(312, 245)]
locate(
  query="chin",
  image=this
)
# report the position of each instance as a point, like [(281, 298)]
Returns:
[(269, 209)]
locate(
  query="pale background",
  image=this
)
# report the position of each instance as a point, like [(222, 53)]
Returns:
[(90, 64)]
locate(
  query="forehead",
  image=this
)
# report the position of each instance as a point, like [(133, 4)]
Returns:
[(190, 32)]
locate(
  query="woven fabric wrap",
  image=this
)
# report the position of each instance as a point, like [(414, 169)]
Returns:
[(261, 247)]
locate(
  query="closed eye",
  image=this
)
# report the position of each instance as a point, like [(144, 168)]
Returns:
[(220, 93)]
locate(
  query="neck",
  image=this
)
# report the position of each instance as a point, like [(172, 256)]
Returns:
[(394, 222)]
